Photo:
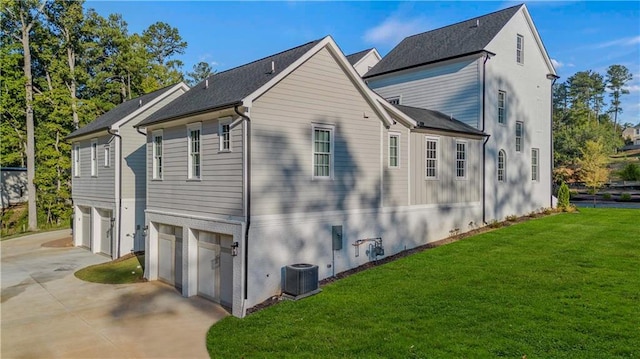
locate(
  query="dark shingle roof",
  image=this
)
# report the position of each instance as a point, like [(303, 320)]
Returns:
[(354, 58), (437, 120), (447, 42), (117, 113), (228, 87)]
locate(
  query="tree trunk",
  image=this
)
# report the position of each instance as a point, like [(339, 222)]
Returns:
[(71, 58), (31, 168)]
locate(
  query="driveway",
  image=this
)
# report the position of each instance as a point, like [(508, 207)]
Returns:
[(48, 313)]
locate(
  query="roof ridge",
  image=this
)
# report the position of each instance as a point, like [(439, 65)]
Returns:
[(149, 93), (463, 21)]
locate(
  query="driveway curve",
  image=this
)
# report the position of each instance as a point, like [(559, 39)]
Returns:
[(48, 313)]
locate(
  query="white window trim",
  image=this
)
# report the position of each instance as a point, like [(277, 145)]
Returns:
[(437, 159), (331, 129), (107, 156), (397, 135), (504, 107), (521, 137), (193, 127), (535, 173), (94, 158), (154, 168), (520, 50), (465, 161), (224, 122), (504, 167), (76, 160)]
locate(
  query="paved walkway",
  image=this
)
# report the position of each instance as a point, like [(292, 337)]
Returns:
[(48, 313)]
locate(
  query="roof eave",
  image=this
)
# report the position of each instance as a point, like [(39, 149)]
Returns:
[(470, 133), (86, 134), (189, 114), (483, 51)]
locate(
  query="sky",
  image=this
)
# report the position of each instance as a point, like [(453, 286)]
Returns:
[(578, 35)]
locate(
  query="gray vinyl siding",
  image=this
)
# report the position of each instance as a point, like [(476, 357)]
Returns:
[(446, 188), (219, 190), (102, 186), (396, 180), (318, 92), (452, 88)]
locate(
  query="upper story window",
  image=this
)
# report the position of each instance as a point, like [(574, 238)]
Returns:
[(322, 151), (431, 156), (193, 132), (502, 166), (94, 158), (394, 150), (395, 100), (502, 107), (519, 131), (224, 130), (461, 159), (520, 49), (157, 154), (76, 160), (535, 164), (107, 156)]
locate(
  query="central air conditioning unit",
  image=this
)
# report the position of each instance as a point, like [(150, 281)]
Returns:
[(300, 279)]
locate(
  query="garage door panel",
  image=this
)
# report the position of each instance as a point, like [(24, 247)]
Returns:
[(105, 232), (165, 260), (208, 271), (86, 227)]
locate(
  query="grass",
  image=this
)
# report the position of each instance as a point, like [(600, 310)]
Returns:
[(128, 269), (563, 286)]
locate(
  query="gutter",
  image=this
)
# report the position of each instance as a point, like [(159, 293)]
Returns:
[(247, 196), (119, 173), (552, 77), (189, 114), (484, 144)]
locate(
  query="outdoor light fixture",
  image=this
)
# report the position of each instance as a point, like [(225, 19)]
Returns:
[(234, 249)]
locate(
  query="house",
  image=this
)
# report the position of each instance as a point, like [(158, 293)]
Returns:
[(632, 134), (364, 60), (14, 186), (493, 73), (108, 176), (293, 159)]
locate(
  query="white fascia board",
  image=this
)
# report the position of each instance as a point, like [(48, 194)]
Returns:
[(373, 52), (408, 121), (144, 107), (330, 44), (536, 35)]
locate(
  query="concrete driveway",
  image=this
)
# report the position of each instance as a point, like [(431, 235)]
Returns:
[(48, 313)]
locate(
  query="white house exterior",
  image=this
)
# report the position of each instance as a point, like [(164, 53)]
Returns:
[(108, 176), (257, 167), (632, 134), (364, 60), (495, 75)]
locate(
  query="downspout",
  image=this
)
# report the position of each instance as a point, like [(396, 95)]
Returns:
[(248, 199), (553, 82), (484, 143), (119, 174)]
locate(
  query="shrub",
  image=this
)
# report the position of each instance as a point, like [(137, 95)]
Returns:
[(630, 172), (563, 196), (494, 224), (606, 196), (512, 218), (626, 197)]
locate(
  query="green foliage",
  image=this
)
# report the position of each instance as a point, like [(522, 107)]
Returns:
[(625, 197), (606, 196), (630, 172), (201, 71), (593, 166), (563, 196), (542, 289)]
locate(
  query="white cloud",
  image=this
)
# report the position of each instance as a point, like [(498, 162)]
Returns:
[(557, 64), (632, 88), (393, 29), (625, 41)]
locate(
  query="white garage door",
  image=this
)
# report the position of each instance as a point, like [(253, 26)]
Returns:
[(215, 267), (170, 254), (85, 230), (106, 230)]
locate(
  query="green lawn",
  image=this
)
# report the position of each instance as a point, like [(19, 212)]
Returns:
[(564, 286), (129, 269)]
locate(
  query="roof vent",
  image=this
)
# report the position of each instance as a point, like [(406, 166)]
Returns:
[(206, 83), (273, 67), (477, 22), (140, 103)]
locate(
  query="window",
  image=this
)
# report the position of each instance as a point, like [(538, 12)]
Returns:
[(394, 148), (431, 155), (322, 151), (502, 107), (224, 129), (157, 155), (94, 158), (520, 49), (194, 150), (519, 127), (502, 166), (76, 160), (461, 159), (535, 164), (107, 156), (395, 100)]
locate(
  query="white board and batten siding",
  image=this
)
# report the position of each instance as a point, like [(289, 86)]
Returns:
[(100, 187), (317, 93), (453, 88), (219, 190)]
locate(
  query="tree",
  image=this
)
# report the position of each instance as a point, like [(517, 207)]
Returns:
[(201, 71), (617, 77), (593, 166), (163, 42), (19, 17)]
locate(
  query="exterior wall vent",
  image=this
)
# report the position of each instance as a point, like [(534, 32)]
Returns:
[(300, 279)]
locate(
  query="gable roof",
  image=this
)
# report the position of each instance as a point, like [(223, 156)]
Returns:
[(230, 87), (435, 120), (354, 58), (457, 40), (111, 117)]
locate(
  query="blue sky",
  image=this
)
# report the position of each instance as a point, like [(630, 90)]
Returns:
[(579, 36)]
